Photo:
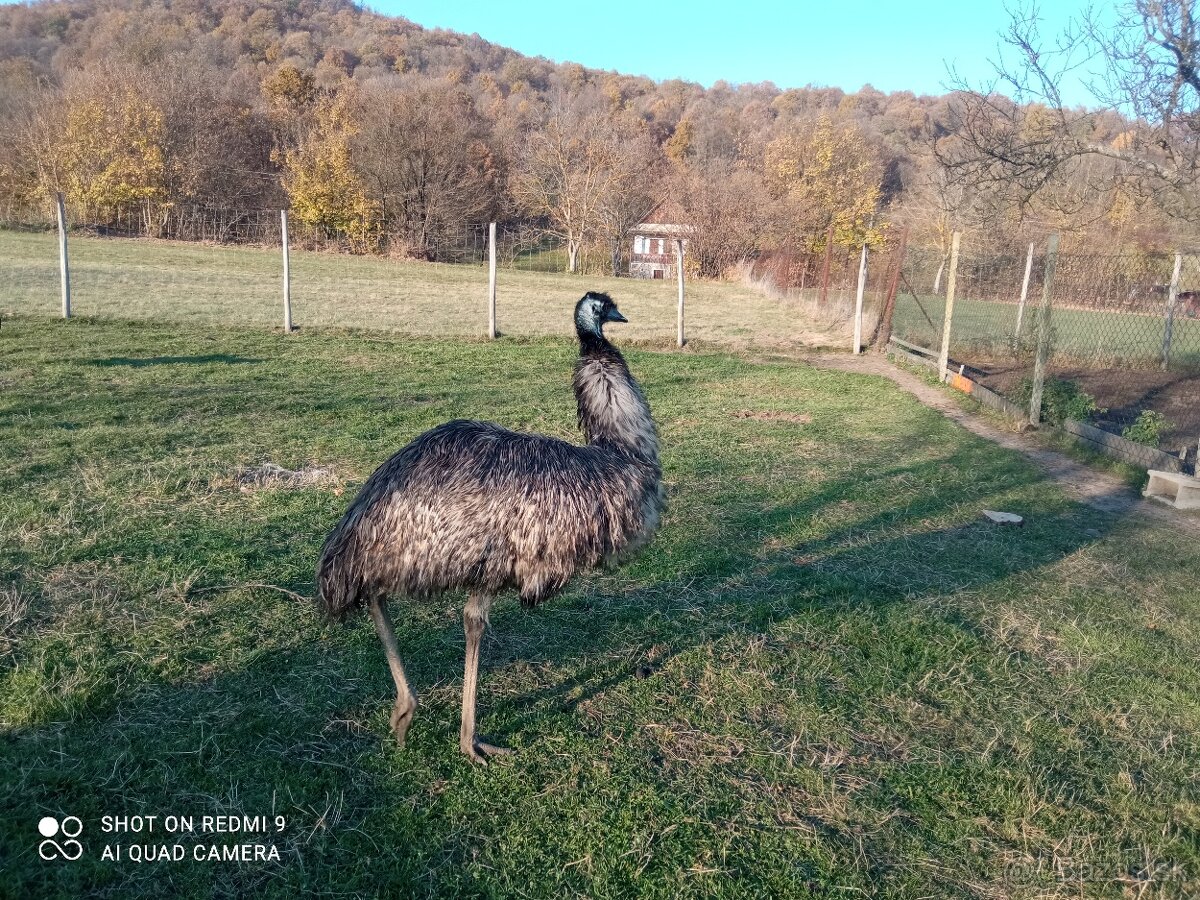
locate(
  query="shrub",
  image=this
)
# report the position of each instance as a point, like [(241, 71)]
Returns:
[(1061, 400), (1147, 428)]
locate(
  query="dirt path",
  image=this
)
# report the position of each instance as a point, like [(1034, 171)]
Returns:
[(1094, 487)]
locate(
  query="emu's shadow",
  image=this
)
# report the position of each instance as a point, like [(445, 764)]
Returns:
[(850, 562)]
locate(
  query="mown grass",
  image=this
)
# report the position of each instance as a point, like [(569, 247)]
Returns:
[(200, 284), (854, 686)]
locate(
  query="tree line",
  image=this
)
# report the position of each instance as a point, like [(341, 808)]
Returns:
[(385, 137)]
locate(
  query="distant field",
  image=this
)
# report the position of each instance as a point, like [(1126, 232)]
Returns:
[(195, 283), (853, 685)]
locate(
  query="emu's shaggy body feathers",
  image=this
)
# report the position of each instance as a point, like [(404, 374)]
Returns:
[(471, 505)]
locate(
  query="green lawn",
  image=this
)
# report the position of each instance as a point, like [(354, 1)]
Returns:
[(856, 687), (199, 284)]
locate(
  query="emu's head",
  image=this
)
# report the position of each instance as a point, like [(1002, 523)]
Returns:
[(593, 310)]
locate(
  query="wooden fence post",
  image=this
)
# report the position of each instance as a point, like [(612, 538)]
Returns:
[(492, 280), (679, 338), (858, 300), (883, 328), (287, 273), (64, 270), (824, 295), (947, 321), (1024, 294), (1169, 324), (1043, 347)]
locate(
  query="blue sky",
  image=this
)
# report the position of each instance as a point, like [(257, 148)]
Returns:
[(892, 45)]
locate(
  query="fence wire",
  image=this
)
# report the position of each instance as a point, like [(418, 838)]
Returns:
[(1123, 336)]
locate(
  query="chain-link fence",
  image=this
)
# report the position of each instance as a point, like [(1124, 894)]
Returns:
[(1121, 339)]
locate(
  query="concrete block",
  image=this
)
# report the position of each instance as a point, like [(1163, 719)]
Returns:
[(1174, 489)]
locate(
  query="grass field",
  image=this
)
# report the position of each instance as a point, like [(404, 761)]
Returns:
[(189, 283), (855, 687)]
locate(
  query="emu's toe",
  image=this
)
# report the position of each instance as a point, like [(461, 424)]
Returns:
[(402, 716), (479, 751)]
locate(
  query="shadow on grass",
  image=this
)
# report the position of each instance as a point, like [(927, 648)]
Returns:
[(136, 362)]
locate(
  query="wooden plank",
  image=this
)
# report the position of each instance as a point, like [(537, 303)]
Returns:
[(916, 348), (1122, 448), (986, 396), (911, 357)]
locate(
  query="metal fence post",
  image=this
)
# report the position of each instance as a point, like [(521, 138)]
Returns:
[(1043, 347), (951, 285), (287, 273), (679, 338), (64, 270), (858, 300), (1024, 294), (1169, 324)]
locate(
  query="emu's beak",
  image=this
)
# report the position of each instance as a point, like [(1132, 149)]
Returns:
[(614, 315)]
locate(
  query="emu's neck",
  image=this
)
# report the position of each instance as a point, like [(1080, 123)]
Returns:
[(612, 409)]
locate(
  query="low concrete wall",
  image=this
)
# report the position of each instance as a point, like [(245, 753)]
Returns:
[(1089, 436), (1122, 448)]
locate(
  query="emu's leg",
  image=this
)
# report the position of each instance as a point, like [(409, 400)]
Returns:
[(406, 700), (475, 617)]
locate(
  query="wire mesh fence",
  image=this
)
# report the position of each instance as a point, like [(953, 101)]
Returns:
[(1121, 334), (237, 279)]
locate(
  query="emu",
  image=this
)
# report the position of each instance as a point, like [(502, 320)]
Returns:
[(473, 506)]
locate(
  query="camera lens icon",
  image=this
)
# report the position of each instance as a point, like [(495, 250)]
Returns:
[(70, 827)]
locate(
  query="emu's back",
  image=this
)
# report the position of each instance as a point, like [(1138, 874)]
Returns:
[(473, 505)]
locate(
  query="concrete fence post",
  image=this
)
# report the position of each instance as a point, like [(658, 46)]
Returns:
[(679, 338), (858, 300), (951, 287), (64, 270), (287, 273), (1043, 332), (492, 280), (1169, 323), (1024, 294)]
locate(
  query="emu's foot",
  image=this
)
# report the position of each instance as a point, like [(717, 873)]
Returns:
[(479, 751), (402, 716)]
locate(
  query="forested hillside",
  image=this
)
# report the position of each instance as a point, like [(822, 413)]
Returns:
[(384, 134)]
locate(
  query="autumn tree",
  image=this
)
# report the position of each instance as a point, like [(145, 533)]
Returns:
[(426, 158), (568, 171), (636, 188), (828, 176), (108, 155), (727, 210), (326, 192)]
